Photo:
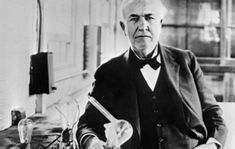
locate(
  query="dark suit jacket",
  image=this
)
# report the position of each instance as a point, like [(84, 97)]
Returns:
[(115, 90)]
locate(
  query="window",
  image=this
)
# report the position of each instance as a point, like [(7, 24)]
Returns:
[(206, 27), (195, 25)]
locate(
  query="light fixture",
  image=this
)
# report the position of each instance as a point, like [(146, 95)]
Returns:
[(25, 129)]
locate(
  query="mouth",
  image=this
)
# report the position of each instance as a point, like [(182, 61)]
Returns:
[(142, 36)]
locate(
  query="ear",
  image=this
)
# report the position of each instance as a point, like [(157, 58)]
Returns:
[(122, 25)]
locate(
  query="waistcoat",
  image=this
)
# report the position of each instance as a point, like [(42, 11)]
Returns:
[(155, 110)]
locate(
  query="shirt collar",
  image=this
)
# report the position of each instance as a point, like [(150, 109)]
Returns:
[(156, 52)]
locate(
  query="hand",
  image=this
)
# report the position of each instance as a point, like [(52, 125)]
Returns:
[(94, 143), (112, 136), (207, 146)]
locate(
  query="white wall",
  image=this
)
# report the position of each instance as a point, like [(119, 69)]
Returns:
[(16, 35)]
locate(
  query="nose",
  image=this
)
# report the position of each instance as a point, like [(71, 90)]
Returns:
[(143, 24)]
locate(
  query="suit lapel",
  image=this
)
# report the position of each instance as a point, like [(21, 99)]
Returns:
[(172, 68)]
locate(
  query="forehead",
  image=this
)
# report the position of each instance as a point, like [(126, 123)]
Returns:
[(143, 7)]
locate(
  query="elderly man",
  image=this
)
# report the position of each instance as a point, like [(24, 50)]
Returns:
[(158, 89)]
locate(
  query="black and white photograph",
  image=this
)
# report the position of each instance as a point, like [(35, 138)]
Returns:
[(117, 74)]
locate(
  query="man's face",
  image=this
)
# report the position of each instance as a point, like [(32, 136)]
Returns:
[(143, 26)]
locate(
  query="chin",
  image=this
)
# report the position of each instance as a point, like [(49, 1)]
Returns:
[(144, 48), (141, 45)]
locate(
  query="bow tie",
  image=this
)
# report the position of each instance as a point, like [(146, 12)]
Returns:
[(152, 62), (140, 63)]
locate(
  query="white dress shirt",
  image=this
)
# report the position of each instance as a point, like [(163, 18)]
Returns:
[(151, 75)]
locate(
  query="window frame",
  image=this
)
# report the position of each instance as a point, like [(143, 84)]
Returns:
[(225, 61)]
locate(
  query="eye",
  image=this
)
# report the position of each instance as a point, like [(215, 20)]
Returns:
[(134, 19), (148, 18)]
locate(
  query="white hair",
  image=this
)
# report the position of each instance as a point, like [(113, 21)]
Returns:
[(159, 3)]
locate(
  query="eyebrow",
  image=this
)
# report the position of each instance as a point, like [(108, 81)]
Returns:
[(136, 15), (148, 15)]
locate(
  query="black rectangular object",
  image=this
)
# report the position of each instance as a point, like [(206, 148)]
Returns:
[(41, 73)]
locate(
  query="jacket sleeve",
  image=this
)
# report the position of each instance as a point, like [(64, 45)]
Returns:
[(92, 121), (211, 112)]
